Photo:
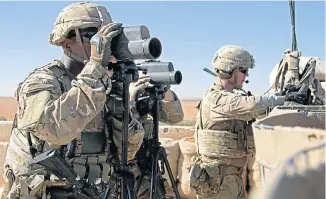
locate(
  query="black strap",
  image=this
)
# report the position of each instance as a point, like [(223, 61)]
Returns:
[(113, 150), (32, 149)]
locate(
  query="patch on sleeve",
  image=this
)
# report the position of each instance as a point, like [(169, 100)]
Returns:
[(37, 85), (33, 108), (34, 93)]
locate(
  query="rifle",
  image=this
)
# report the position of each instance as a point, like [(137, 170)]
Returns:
[(53, 163)]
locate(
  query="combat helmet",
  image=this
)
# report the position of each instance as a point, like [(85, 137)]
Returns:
[(229, 57), (78, 17)]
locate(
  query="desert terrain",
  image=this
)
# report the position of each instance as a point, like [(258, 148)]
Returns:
[(8, 108)]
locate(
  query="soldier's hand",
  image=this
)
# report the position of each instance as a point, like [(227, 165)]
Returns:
[(292, 88), (135, 89), (101, 43), (139, 86), (296, 97)]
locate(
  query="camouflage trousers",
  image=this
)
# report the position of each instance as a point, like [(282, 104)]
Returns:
[(231, 188), (212, 180)]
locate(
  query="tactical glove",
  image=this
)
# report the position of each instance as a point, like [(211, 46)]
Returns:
[(137, 88), (101, 43), (299, 98), (292, 88)]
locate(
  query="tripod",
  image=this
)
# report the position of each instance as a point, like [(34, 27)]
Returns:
[(123, 73), (152, 152), (127, 73)]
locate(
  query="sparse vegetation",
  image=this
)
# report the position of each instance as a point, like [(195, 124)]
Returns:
[(3, 118)]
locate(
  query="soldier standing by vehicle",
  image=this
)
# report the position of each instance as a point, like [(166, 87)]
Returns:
[(223, 132)]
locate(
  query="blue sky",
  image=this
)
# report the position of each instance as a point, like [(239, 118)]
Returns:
[(190, 33)]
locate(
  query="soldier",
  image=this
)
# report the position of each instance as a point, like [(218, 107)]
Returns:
[(61, 106), (224, 137), (301, 176)]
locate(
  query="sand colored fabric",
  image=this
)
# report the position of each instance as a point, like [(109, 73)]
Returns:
[(187, 151)]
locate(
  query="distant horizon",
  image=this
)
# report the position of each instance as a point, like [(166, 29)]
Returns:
[(186, 99)]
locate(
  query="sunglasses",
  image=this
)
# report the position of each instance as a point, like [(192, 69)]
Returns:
[(243, 70), (84, 33)]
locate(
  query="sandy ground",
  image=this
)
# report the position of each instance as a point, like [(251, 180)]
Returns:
[(8, 108)]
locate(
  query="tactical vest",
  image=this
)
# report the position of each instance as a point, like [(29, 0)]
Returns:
[(228, 138), (87, 154)]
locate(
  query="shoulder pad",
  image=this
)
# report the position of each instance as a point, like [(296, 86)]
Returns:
[(212, 96), (198, 105), (56, 67), (43, 78)]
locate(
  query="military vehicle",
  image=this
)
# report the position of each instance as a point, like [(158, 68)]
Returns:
[(290, 129)]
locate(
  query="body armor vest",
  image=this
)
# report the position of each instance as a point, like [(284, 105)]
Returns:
[(223, 139)]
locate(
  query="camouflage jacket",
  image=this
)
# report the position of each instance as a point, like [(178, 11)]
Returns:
[(223, 124)]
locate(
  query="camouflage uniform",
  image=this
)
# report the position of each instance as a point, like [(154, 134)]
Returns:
[(60, 111), (223, 131), (301, 176)]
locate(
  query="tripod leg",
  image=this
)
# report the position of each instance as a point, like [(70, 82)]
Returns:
[(140, 181), (131, 187), (112, 183), (167, 165), (153, 194)]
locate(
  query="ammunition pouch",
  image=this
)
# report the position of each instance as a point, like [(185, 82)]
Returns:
[(206, 177)]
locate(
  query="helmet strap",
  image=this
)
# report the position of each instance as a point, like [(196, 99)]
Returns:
[(223, 74), (227, 76), (79, 40), (235, 84), (73, 56)]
